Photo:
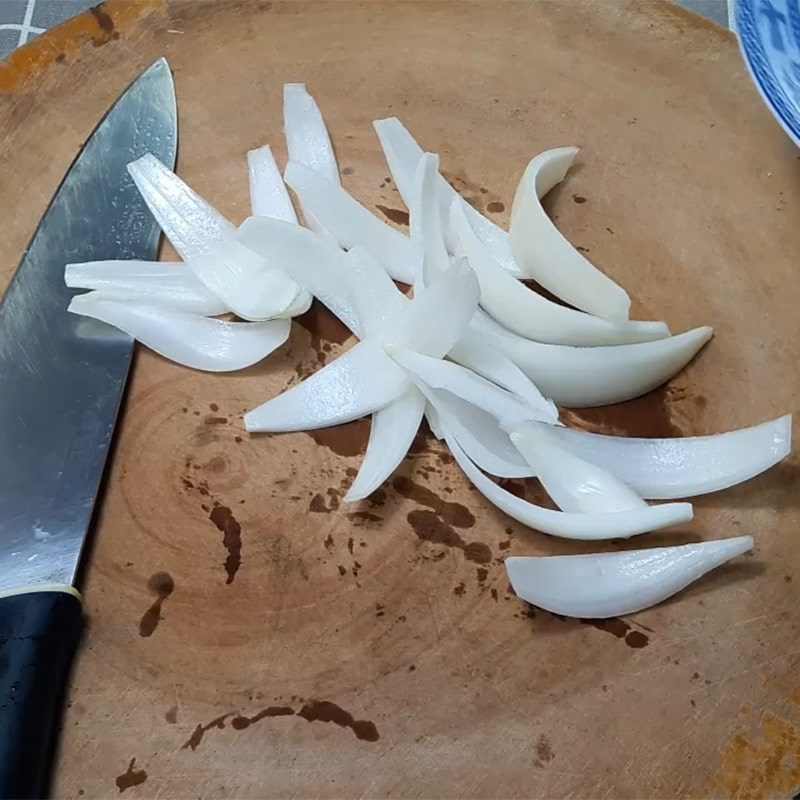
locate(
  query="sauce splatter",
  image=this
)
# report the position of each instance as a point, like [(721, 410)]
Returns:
[(132, 777), (231, 531), (162, 585)]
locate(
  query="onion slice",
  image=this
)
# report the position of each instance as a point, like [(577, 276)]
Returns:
[(189, 339), (464, 383), (310, 259), (573, 483), (188, 221), (161, 282), (598, 376), (242, 280), (606, 585), (392, 432), (402, 155), (666, 469), (569, 525), (425, 223), (527, 313), (349, 222), (357, 383), (307, 141), (543, 252), (268, 194)]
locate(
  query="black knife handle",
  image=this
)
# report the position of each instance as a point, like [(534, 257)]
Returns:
[(39, 631)]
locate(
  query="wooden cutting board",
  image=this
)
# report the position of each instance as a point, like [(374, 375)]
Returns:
[(251, 635)]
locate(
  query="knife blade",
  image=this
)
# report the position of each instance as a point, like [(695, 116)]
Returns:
[(61, 383)]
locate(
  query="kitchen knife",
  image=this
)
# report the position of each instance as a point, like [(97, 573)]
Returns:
[(61, 382)]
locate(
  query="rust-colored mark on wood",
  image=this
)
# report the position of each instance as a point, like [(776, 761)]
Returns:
[(200, 731), (620, 629), (347, 440), (231, 531), (396, 215), (768, 767), (98, 26), (240, 722), (131, 777), (544, 752), (325, 711), (162, 585), (172, 715)]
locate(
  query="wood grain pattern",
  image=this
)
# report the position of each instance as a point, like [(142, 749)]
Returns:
[(249, 634)]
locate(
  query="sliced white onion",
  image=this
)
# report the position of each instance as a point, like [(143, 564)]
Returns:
[(479, 435), (170, 284), (438, 316), (425, 223), (374, 296), (479, 356), (392, 431), (189, 339), (268, 194), (613, 584), (307, 137), (598, 376), (188, 221), (573, 483), (529, 314), (242, 280), (349, 222), (307, 141), (665, 469), (357, 383), (403, 154), (462, 382), (311, 260), (542, 251), (569, 525)]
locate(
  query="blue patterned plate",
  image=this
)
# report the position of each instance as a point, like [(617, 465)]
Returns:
[(769, 35)]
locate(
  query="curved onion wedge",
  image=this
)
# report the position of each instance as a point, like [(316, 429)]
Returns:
[(598, 376), (665, 469), (527, 313), (463, 383), (425, 222), (188, 221), (574, 484), (307, 137), (308, 258), (375, 297), (479, 356), (359, 382), (437, 317), (479, 435), (188, 339), (392, 431), (403, 154), (301, 303), (349, 222), (241, 279), (268, 194), (307, 141), (569, 525), (543, 252), (170, 284), (606, 585)]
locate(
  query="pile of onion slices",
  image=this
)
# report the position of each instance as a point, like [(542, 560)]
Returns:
[(485, 359)]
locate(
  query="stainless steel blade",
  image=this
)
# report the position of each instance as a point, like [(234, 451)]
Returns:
[(62, 376)]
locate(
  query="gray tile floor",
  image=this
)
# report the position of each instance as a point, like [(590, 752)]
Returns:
[(22, 20)]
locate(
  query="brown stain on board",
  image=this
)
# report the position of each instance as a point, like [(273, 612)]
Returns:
[(496, 207), (619, 628), (172, 715), (131, 777), (346, 440), (310, 711), (451, 513), (544, 752), (97, 27), (649, 416), (162, 585), (766, 767), (429, 527), (231, 531), (396, 215), (323, 326), (325, 711)]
